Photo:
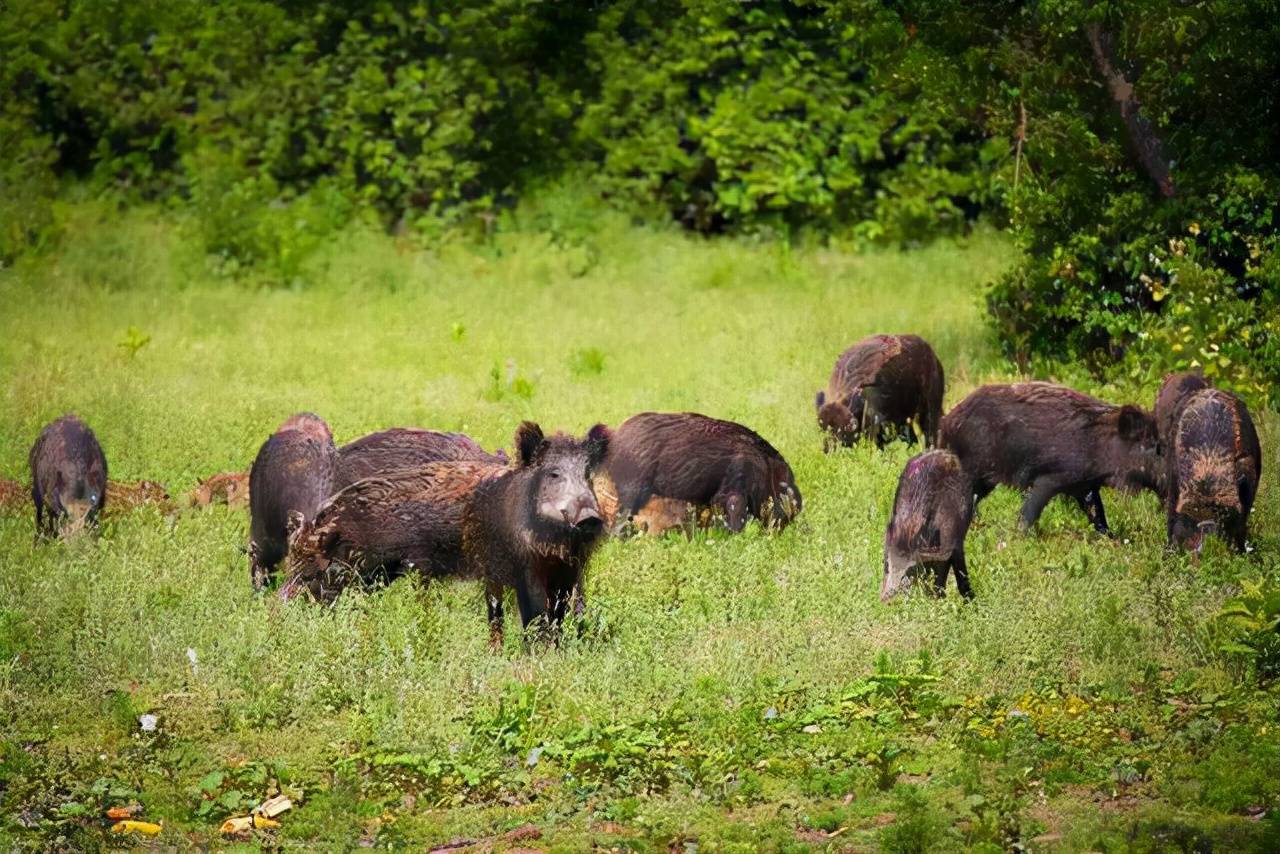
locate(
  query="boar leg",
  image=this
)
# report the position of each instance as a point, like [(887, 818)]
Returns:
[(259, 572), (1090, 501), (961, 571), (493, 600), (940, 571), (1037, 498)]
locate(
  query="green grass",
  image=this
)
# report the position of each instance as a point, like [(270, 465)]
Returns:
[(744, 693)]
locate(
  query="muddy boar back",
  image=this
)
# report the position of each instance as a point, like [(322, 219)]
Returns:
[(1214, 468), (380, 528), (705, 462), (402, 447)]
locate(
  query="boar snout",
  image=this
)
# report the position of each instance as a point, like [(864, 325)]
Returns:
[(583, 512)]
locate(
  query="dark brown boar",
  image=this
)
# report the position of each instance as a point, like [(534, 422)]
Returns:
[(124, 496), (1173, 393), (229, 487), (1214, 464), (13, 495), (534, 527), (704, 462), (530, 526), (880, 385), (293, 473), (1051, 440), (402, 447), (68, 477), (379, 528), (932, 510)]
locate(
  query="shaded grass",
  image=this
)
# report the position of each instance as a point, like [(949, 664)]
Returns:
[(654, 721)]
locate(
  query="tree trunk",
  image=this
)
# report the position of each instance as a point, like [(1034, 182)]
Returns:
[(1146, 143)]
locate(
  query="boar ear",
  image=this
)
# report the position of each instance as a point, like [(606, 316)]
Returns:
[(1135, 425), (820, 400), (528, 441), (597, 444)]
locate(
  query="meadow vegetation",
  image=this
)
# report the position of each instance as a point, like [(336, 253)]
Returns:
[(726, 693)]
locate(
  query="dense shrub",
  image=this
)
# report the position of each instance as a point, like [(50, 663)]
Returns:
[(781, 114), (1122, 269)]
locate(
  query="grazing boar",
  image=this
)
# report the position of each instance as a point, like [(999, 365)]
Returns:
[(124, 497), (880, 385), (229, 487), (703, 462), (13, 495), (932, 510), (1051, 440), (381, 527), (1214, 464), (68, 477), (1173, 393), (399, 448), (293, 472), (530, 526)]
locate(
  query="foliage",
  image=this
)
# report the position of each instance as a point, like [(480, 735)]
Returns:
[(1247, 629), (779, 114), (1116, 273)]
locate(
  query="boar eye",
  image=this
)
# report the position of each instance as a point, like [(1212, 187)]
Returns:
[(553, 474)]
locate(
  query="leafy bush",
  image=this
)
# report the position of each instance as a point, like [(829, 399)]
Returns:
[(777, 114), (1246, 631)]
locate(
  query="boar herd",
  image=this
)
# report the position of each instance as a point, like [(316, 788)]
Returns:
[(438, 504)]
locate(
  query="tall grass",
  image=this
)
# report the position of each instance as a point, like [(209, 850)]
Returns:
[(567, 318)]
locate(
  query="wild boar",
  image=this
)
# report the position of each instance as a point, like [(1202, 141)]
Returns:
[(1214, 465), (380, 528), (704, 462), (229, 487), (530, 526), (126, 496), (68, 477), (292, 473), (1051, 440), (932, 510), (13, 495), (388, 450), (881, 384), (534, 528)]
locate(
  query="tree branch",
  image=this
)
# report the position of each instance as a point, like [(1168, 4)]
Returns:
[(1146, 143)]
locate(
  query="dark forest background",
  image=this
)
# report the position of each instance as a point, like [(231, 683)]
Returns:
[(1131, 149)]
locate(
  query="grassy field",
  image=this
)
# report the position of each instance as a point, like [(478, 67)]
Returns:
[(730, 694)]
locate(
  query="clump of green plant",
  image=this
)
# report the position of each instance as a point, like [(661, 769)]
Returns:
[(505, 381), (1246, 630), (586, 362)]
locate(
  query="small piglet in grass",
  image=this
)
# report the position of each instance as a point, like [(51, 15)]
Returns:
[(1051, 440), (68, 478), (932, 510), (1213, 462)]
